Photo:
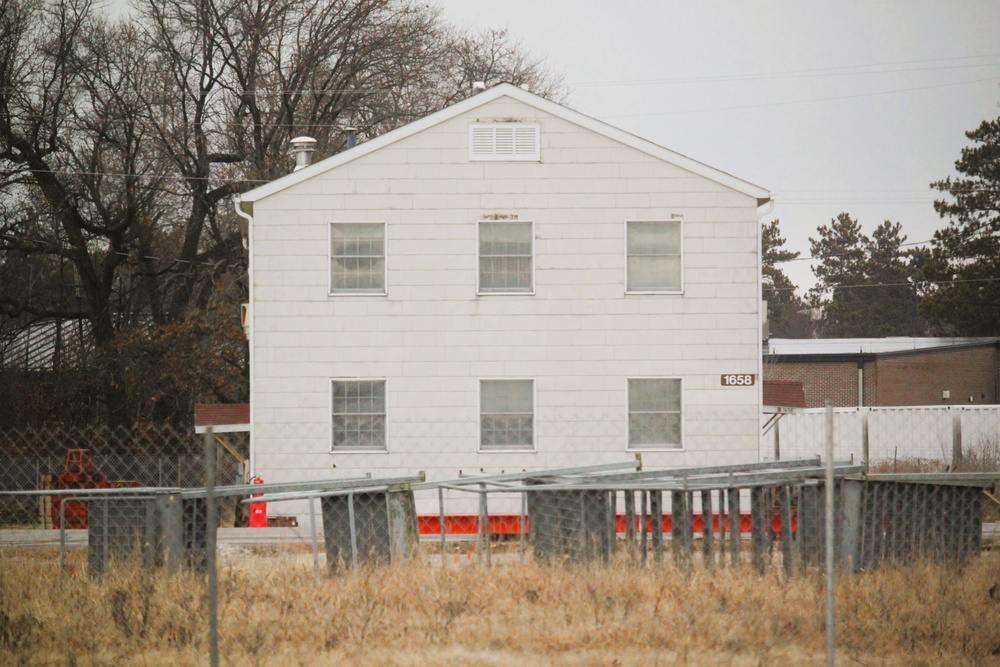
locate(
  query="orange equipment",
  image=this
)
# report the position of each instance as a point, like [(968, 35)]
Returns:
[(78, 473), (258, 511)]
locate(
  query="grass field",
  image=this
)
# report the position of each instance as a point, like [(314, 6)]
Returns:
[(512, 615)]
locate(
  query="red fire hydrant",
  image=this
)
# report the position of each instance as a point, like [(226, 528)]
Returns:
[(258, 511)]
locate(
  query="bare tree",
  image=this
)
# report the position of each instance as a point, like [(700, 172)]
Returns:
[(122, 143), (493, 56), (77, 162)]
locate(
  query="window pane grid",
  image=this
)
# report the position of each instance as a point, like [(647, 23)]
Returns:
[(506, 414), (501, 247), (654, 256), (654, 429), (507, 431), (358, 273), (654, 414), (357, 257), (359, 415), (505, 273), (505, 257)]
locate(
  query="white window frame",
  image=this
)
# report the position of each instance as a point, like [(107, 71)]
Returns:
[(487, 142), (334, 449), (329, 260), (680, 254), (534, 421), (530, 290), (664, 447)]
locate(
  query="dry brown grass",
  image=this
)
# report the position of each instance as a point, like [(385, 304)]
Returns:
[(511, 615), (981, 455)]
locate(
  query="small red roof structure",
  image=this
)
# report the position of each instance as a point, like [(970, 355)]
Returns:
[(779, 394), (222, 417)]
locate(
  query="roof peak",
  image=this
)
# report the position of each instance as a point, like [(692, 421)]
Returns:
[(483, 98)]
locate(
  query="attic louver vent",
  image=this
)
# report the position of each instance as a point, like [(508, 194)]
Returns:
[(504, 141)]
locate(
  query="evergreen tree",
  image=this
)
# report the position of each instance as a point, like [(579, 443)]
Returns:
[(841, 256), (896, 300), (866, 285), (778, 289), (963, 268)]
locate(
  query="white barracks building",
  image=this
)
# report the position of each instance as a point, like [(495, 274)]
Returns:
[(504, 285)]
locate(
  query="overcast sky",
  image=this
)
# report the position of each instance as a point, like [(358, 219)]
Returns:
[(849, 106)]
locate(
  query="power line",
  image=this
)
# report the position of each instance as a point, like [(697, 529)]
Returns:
[(843, 254), (826, 288), (667, 113), (806, 101), (968, 232), (223, 179), (819, 202), (840, 70), (151, 177), (789, 74), (191, 262)]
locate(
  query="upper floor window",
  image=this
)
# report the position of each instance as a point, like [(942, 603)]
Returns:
[(357, 258), (653, 256), (504, 141), (505, 257), (654, 413), (506, 414)]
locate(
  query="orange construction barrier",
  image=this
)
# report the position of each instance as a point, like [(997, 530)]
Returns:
[(510, 524)]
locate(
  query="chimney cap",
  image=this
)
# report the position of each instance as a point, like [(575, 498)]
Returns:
[(352, 136), (302, 150), (478, 87)]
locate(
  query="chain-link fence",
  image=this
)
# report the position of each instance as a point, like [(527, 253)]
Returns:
[(587, 562), (893, 439), (96, 457)]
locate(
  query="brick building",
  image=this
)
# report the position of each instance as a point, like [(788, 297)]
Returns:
[(889, 371)]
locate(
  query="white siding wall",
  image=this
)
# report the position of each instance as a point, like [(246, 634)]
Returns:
[(432, 338)]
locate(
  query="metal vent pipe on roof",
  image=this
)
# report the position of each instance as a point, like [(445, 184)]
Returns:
[(352, 136), (478, 87), (302, 150)]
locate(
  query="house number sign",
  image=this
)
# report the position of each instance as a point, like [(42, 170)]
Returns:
[(739, 380)]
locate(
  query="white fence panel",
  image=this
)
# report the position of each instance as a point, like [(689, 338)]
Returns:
[(980, 429), (921, 433)]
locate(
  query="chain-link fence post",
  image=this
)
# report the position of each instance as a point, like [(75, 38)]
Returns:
[(211, 526), (864, 439), (830, 637), (442, 525), (956, 439), (314, 537)]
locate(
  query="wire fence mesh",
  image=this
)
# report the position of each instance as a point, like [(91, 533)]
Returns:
[(906, 438), (608, 544), (95, 457)]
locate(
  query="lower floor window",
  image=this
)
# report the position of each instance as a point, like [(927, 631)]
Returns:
[(359, 415), (654, 413), (506, 414)]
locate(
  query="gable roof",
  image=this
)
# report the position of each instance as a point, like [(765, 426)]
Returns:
[(507, 90)]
